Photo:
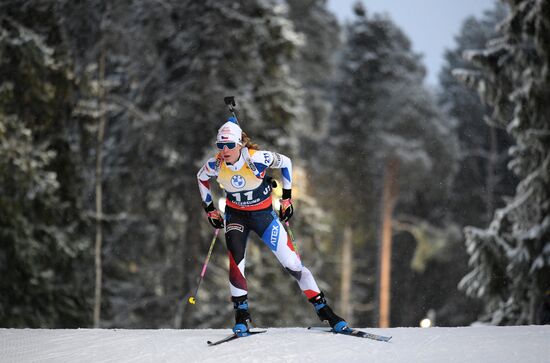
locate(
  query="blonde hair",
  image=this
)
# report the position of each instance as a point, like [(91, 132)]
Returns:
[(248, 143)]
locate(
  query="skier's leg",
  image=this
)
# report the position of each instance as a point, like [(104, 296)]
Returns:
[(277, 239), (236, 234), (325, 313), (242, 316)]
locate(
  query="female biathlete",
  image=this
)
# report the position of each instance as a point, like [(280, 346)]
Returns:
[(241, 169)]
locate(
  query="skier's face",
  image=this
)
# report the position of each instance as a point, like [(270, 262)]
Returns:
[(231, 155)]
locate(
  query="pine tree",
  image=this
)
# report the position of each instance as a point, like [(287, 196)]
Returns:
[(183, 58), (42, 253), (510, 260), (250, 61), (313, 67), (482, 178), (383, 116)]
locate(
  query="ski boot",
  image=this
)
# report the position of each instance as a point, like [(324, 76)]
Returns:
[(325, 313), (242, 316)]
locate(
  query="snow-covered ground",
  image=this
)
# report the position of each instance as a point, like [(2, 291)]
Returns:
[(523, 344)]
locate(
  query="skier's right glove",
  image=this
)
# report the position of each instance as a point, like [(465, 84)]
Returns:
[(214, 216)]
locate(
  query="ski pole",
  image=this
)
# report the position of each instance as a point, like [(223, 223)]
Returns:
[(192, 298), (230, 102), (292, 238)]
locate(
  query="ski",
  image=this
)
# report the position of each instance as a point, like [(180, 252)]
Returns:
[(355, 333), (233, 337)]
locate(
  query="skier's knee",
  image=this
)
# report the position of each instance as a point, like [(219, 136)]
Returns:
[(296, 274), (292, 264)]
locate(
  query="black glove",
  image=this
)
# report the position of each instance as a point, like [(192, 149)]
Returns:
[(286, 210), (214, 216), (271, 181)]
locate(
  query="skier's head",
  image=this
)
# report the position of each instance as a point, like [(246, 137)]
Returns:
[(230, 132), (230, 140)]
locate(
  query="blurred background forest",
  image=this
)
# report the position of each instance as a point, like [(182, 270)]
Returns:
[(109, 108)]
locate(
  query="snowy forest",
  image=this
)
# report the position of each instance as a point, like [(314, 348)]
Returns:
[(109, 108)]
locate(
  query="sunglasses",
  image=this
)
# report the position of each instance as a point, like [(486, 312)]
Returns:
[(229, 145)]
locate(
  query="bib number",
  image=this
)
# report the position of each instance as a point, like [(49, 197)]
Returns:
[(249, 196)]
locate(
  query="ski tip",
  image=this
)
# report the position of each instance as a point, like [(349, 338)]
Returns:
[(257, 332)]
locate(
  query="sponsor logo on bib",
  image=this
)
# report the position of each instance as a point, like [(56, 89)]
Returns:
[(238, 181)]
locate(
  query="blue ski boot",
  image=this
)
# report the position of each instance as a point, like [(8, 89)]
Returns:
[(325, 313), (242, 316)]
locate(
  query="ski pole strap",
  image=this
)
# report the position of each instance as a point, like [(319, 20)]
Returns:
[(249, 162)]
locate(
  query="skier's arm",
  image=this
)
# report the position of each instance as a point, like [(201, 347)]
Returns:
[(284, 163), (267, 159), (208, 171), (263, 160)]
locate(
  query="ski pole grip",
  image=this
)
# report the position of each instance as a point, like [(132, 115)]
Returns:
[(229, 100)]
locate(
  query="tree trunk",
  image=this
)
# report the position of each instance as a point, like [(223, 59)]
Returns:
[(347, 269), (99, 190), (389, 197), (491, 177)]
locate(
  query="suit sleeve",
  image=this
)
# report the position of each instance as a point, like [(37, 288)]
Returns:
[(208, 170), (268, 159)]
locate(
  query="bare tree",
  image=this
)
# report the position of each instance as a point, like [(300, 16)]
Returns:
[(347, 273), (98, 188), (389, 197)]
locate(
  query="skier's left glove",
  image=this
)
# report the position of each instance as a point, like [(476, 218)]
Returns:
[(286, 209), (271, 181)]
